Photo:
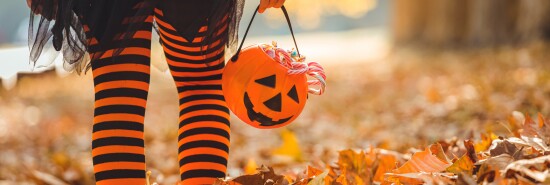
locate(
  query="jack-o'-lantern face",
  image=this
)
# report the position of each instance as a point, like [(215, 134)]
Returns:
[(261, 93), (273, 105)]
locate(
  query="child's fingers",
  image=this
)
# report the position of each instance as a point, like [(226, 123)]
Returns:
[(279, 3), (264, 4), (272, 3)]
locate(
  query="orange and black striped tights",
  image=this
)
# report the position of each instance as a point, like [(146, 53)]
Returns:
[(121, 87)]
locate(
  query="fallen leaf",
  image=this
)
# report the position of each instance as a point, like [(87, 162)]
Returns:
[(535, 170), (48, 178), (486, 177), (470, 150), (431, 160), (312, 172), (386, 163), (502, 146), (485, 142), (534, 134), (536, 143), (529, 127), (497, 162), (463, 165), (342, 180), (420, 178), (251, 167), (353, 162), (515, 120), (544, 128), (265, 176), (465, 179), (318, 179), (406, 178), (289, 151)]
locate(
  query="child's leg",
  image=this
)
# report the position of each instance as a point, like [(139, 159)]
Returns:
[(121, 86), (204, 117)]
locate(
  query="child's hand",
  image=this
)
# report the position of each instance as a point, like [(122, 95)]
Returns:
[(265, 4)]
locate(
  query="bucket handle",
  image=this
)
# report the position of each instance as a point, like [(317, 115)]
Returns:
[(236, 56)]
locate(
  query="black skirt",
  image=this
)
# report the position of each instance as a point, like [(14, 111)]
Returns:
[(61, 23)]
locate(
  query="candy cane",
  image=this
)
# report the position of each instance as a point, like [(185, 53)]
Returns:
[(316, 71), (286, 56), (312, 69)]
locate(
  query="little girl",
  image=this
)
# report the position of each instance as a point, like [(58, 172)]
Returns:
[(113, 38)]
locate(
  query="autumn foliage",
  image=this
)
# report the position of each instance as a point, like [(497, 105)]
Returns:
[(523, 157), (414, 117)]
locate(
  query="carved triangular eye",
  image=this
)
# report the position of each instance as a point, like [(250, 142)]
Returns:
[(267, 81), (293, 94), (274, 103)]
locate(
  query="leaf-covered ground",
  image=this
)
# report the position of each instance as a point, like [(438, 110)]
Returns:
[(464, 117)]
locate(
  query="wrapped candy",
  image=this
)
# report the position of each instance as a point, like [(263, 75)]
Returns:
[(284, 57), (297, 65)]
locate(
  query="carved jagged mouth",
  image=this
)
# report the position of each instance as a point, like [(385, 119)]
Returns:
[(259, 117)]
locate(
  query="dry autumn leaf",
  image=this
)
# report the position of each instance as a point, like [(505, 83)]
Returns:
[(251, 167), (514, 122), (48, 178), (386, 163), (318, 179), (354, 161), (462, 165), (485, 143), (312, 172), (265, 176), (342, 180), (356, 164), (420, 178), (496, 162), (535, 170), (430, 160), (502, 146), (529, 127), (289, 151), (465, 179)]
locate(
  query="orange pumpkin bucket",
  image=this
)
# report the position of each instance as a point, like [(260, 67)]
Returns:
[(267, 87)]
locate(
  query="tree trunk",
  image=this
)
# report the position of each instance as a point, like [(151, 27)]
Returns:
[(470, 23)]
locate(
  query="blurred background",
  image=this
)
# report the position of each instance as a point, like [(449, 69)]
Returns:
[(401, 74)]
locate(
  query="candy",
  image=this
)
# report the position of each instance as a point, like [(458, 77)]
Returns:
[(271, 53), (284, 57), (297, 65), (293, 53)]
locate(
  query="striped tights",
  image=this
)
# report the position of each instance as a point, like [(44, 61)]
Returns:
[(121, 88)]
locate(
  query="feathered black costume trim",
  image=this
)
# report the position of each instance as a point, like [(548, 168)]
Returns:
[(58, 25)]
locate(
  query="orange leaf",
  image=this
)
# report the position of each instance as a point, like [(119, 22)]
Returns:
[(311, 171), (529, 127), (541, 120), (420, 178), (464, 164), (433, 159), (485, 143), (352, 161), (514, 121), (319, 179), (251, 167), (265, 174), (342, 180), (290, 150), (387, 163), (408, 178)]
